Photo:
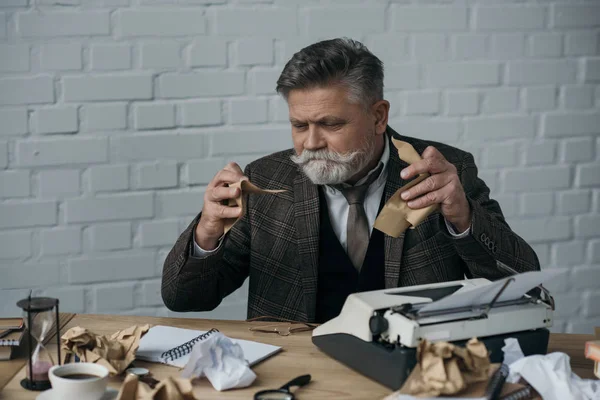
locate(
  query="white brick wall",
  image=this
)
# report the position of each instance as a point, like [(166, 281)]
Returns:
[(19, 90), (55, 120), (15, 183), (15, 58), (160, 55), (59, 241), (13, 121), (115, 115), (56, 183), (62, 23), (165, 22), (105, 57), (104, 117), (110, 236), (107, 87), (60, 56)]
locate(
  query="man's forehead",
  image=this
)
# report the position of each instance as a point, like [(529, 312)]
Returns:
[(319, 103), (325, 118)]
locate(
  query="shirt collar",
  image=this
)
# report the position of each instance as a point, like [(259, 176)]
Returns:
[(385, 157)]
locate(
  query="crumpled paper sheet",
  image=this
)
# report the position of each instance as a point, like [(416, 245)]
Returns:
[(396, 216), (168, 389), (550, 375), (115, 352), (246, 187), (447, 369), (512, 351), (222, 361)]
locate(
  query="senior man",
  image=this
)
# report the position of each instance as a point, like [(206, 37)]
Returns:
[(306, 249)]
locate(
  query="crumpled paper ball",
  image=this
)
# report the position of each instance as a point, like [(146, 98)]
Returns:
[(448, 369), (168, 389), (115, 352), (222, 362)]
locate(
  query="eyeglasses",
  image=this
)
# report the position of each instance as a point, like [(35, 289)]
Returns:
[(283, 393), (294, 327)]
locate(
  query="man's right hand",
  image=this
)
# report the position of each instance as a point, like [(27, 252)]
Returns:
[(212, 221)]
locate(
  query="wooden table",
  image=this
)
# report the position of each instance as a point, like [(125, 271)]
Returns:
[(330, 379)]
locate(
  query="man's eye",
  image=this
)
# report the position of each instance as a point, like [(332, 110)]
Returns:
[(299, 126)]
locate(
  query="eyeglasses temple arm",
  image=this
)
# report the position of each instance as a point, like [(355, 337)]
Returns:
[(299, 381)]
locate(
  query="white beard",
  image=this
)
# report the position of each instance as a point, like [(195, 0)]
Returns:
[(329, 168)]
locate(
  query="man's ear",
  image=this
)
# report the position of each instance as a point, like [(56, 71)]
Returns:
[(380, 111)]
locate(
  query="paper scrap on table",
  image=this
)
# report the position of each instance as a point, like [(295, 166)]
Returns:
[(512, 351), (550, 375), (446, 369), (115, 352), (395, 216), (246, 187), (475, 391), (167, 389), (222, 361)]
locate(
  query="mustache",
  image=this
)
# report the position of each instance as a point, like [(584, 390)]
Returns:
[(324, 155)]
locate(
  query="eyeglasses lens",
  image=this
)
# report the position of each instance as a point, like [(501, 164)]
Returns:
[(275, 395)]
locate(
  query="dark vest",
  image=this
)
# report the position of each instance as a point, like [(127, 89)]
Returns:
[(337, 276)]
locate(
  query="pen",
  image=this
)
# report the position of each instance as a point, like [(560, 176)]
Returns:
[(496, 382)]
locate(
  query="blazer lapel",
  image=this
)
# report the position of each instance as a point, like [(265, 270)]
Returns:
[(393, 246), (306, 210)]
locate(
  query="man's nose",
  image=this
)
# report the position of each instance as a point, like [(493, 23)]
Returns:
[(314, 140)]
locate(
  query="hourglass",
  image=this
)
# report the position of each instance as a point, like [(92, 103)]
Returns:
[(39, 322)]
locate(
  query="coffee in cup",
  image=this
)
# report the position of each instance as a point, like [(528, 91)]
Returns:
[(84, 381)]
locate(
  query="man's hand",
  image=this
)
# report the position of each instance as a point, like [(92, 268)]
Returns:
[(443, 187), (212, 225)]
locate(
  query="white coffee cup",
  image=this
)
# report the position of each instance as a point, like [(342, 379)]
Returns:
[(68, 381)]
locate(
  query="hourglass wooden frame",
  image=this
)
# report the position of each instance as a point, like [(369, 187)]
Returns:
[(37, 305)]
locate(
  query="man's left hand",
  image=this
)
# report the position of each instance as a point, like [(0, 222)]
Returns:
[(443, 187)]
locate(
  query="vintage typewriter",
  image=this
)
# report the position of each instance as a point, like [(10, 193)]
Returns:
[(377, 332)]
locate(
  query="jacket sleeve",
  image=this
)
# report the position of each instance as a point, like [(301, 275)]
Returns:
[(491, 244), (199, 284)]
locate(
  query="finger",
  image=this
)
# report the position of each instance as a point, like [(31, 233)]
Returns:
[(226, 176), (429, 198), (234, 167), (430, 184), (222, 193), (221, 211), (432, 152), (432, 165)]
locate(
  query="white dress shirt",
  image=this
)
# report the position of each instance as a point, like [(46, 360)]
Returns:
[(338, 207)]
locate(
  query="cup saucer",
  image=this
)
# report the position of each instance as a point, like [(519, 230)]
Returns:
[(109, 394)]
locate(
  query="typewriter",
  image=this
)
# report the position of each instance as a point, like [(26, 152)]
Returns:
[(377, 332)]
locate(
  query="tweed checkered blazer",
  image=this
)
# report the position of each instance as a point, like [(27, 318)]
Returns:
[(276, 244)]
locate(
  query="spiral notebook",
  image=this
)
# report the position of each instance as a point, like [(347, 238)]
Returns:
[(11, 337), (172, 346)]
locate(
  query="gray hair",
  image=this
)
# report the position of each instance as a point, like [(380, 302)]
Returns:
[(336, 61)]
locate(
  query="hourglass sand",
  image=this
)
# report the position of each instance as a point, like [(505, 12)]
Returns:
[(41, 312), (41, 360)]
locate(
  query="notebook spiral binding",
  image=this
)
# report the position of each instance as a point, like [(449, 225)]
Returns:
[(521, 394), (185, 348)]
